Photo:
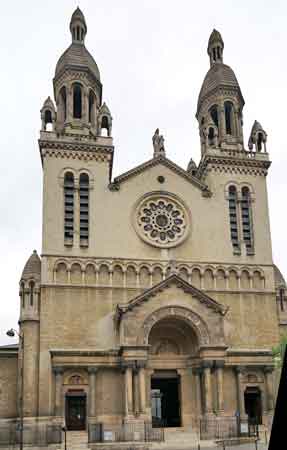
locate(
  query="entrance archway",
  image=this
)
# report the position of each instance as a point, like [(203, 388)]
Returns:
[(172, 343)]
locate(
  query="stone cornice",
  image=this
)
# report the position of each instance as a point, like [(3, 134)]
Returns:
[(249, 352), (242, 163), (115, 185), (157, 261), (75, 149), (84, 352), (8, 352)]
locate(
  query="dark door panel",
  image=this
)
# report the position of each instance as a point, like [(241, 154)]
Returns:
[(76, 412)]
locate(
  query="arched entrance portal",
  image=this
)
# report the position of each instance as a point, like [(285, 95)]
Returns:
[(173, 343)]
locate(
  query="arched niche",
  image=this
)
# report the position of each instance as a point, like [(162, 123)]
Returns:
[(176, 316), (172, 336), (131, 276)]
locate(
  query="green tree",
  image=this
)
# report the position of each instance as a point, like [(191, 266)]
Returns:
[(279, 351)]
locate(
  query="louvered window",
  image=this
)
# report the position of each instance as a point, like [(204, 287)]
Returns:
[(84, 209), (233, 220), (69, 208), (246, 217)]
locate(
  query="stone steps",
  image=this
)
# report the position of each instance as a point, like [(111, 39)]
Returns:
[(179, 439), (76, 440)]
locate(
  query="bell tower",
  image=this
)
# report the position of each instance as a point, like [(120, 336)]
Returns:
[(76, 147), (235, 174), (220, 102)]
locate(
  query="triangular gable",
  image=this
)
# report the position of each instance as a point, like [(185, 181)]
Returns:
[(115, 185), (180, 283)]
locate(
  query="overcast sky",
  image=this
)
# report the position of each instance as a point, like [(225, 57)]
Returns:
[(152, 59)]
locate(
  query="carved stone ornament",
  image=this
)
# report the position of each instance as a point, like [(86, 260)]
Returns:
[(161, 220)]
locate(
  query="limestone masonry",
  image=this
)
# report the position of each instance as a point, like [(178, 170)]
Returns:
[(156, 301)]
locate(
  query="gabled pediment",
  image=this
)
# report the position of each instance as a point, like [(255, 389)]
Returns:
[(176, 280), (163, 161)]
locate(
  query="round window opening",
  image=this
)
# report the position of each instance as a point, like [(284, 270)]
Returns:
[(161, 220)]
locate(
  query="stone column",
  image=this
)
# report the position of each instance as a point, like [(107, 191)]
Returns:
[(269, 388), (92, 391), (221, 123), (207, 386), (85, 105), (219, 378), (69, 103), (58, 371), (240, 391), (136, 393), (142, 389), (197, 371), (128, 390)]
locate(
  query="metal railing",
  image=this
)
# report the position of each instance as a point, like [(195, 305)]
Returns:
[(128, 432), (33, 434), (219, 428)]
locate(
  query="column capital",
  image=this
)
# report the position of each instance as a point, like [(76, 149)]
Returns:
[(207, 364), (197, 370), (58, 370), (141, 363), (128, 364), (268, 369), (219, 363), (239, 369), (92, 370)]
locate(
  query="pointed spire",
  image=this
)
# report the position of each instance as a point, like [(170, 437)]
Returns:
[(48, 104), (215, 47), (258, 137), (78, 26), (32, 267)]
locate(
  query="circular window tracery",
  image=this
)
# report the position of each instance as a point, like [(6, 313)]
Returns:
[(161, 220)]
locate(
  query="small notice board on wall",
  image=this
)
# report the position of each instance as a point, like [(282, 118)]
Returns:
[(108, 435)]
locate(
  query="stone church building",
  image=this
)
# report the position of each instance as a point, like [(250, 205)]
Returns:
[(155, 299)]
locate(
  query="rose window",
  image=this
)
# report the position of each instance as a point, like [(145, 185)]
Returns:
[(161, 220)]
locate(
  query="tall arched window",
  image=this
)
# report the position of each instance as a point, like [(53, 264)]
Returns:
[(233, 220), (92, 107), (259, 142), (62, 111), (31, 285), (105, 126), (84, 209), (214, 114), (77, 101), (228, 110), (68, 207), (48, 118), (246, 217), (23, 294)]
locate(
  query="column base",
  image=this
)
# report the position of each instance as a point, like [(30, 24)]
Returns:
[(130, 418), (134, 428)]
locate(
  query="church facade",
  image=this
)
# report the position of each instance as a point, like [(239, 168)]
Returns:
[(156, 299)]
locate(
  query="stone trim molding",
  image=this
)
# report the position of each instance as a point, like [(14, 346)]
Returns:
[(234, 165), (158, 271), (188, 316), (180, 283), (115, 185)]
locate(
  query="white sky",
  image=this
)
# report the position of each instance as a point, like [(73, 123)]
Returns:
[(152, 59)]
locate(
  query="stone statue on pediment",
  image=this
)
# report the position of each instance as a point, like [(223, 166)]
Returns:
[(158, 144)]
